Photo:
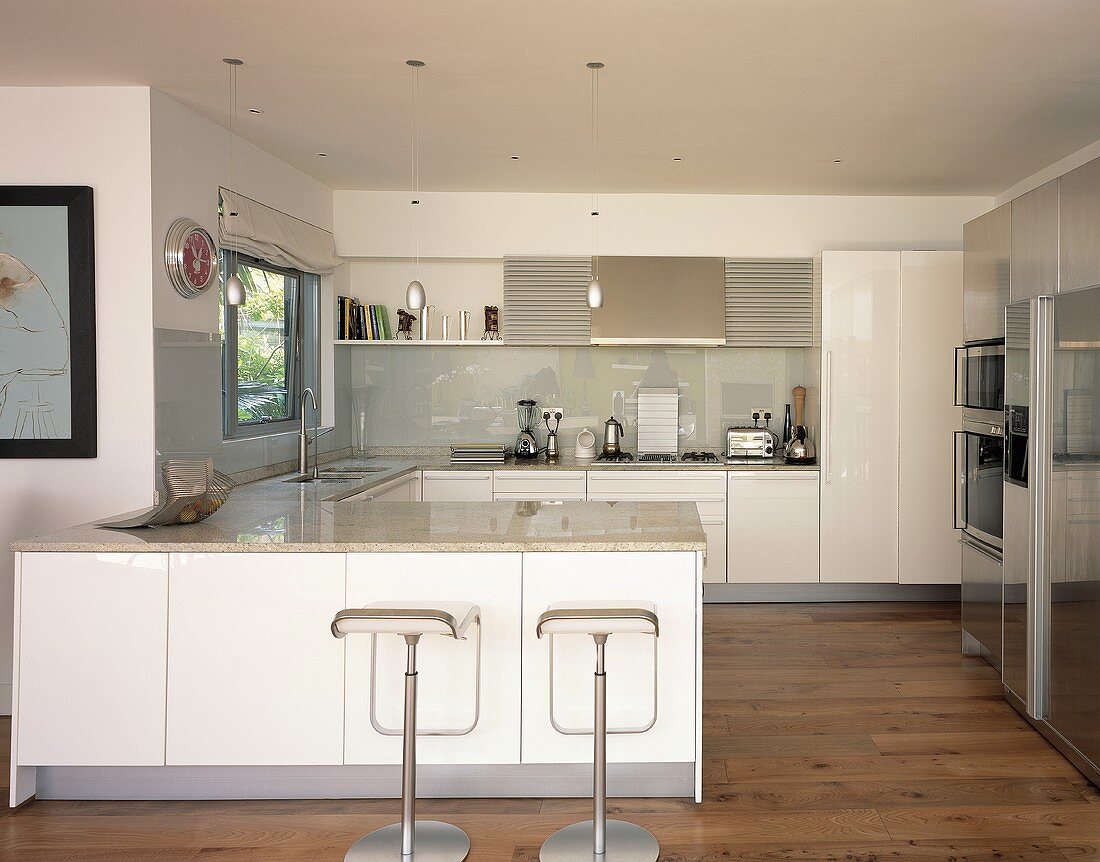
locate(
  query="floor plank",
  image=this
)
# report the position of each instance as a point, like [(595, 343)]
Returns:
[(833, 733)]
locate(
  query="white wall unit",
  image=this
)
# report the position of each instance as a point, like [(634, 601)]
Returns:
[(446, 668), (667, 580), (773, 527), (539, 485), (93, 641), (714, 561), (931, 326), (861, 295), (254, 674), (886, 396), (445, 486)]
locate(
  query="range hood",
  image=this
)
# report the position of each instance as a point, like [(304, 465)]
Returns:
[(661, 300)]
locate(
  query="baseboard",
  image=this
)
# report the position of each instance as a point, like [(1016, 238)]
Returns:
[(5, 698), (763, 593), (360, 782)]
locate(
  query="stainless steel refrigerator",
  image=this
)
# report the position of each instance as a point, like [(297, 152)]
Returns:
[(1051, 617)]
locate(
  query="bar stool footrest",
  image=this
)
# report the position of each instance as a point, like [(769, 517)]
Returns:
[(625, 842), (433, 842)]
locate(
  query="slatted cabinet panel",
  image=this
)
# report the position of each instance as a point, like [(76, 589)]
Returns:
[(769, 302), (545, 300)]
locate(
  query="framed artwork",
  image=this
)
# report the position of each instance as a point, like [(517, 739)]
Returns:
[(47, 323)]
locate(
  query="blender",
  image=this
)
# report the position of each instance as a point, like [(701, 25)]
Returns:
[(526, 444)]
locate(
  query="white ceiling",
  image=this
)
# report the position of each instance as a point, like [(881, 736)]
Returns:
[(756, 96)]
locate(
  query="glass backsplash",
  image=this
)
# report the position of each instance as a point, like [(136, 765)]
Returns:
[(401, 395)]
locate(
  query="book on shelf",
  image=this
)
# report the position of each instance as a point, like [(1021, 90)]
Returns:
[(357, 321)]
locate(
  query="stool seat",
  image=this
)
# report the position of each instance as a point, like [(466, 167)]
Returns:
[(604, 618), (407, 618)]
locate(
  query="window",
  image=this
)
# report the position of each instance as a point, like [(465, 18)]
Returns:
[(270, 346)]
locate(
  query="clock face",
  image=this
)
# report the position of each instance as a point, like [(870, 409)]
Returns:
[(198, 259)]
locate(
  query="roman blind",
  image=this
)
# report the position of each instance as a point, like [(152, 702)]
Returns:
[(545, 300), (769, 302), (268, 234)]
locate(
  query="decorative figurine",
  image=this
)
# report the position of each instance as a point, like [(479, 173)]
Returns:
[(492, 324), (404, 325)]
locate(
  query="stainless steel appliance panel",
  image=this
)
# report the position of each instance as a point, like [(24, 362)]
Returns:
[(1074, 524), (661, 300), (1034, 269), (987, 242), (980, 376), (979, 465), (981, 597)]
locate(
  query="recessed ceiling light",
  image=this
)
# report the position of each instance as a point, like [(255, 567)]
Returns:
[(255, 110), (322, 155), (838, 161), (677, 159), (514, 158)]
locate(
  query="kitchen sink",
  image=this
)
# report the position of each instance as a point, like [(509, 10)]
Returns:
[(335, 475)]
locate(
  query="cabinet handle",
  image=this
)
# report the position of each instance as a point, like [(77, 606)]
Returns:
[(828, 392), (960, 481), (449, 478), (775, 476), (956, 401), (974, 546)]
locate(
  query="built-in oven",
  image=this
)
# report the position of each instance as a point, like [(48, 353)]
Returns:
[(979, 472), (980, 375)]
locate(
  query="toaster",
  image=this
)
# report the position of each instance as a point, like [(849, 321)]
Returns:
[(748, 442)]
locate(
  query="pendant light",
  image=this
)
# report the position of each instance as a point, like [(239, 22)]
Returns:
[(415, 297), (594, 295), (235, 293)]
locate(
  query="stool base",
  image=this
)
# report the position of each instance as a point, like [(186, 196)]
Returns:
[(434, 842), (625, 842)]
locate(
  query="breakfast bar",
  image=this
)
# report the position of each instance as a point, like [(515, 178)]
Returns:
[(198, 661)]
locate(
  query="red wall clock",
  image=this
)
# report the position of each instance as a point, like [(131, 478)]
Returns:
[(190, 257)]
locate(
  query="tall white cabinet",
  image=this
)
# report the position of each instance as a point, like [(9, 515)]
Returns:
[(889, 321)]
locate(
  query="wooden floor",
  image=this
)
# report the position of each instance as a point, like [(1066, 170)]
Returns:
[(848, 732)]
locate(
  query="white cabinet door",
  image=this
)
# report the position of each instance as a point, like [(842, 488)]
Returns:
[(92, 635), (931, 325), (861, 295), (539, 485), (445, 486), (668, 580), (400, 490), (254, 674), (773, 527), (714, 562), (445, 667)]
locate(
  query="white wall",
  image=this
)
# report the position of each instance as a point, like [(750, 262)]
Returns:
[(95, 136), (190, 160), (491, 225)]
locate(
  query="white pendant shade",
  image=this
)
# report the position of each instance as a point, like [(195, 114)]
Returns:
[(234, 291), (595, 294), (415, 298)]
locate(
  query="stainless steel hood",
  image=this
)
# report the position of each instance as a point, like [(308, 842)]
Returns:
[(661, 300)]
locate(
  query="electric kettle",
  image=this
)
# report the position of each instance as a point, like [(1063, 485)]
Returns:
[(612, 436)]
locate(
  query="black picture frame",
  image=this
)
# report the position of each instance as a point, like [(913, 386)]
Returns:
[(82, 441)]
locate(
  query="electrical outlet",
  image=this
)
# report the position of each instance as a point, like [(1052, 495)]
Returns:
[(761, 411), (552, 410)]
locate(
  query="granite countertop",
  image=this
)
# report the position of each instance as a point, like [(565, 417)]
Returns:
[(273, 515), (435, 458)]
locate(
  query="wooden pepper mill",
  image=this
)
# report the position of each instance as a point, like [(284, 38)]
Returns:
[(800, 448)]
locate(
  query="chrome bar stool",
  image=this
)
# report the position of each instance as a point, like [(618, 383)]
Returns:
[(412, 840), (600, 839)]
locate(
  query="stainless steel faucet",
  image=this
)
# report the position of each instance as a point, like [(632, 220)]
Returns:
[(304, 438)]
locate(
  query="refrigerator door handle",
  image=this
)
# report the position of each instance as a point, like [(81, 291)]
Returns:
[(827, 391)]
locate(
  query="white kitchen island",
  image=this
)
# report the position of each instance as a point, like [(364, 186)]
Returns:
[(198, 662)]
